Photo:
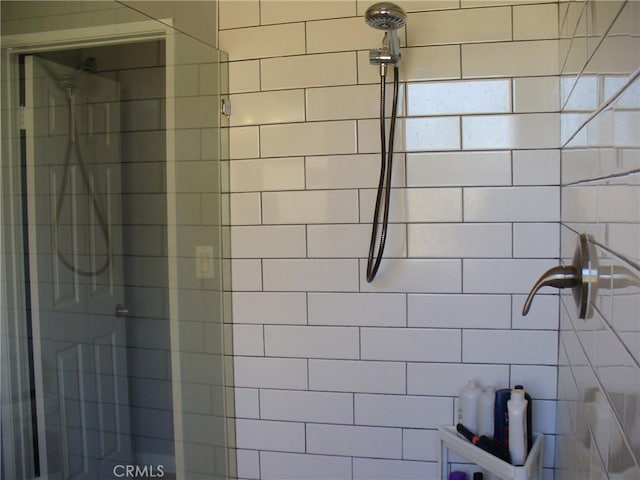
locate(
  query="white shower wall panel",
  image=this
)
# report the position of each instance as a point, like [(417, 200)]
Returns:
[(474, 221), (599, 359)]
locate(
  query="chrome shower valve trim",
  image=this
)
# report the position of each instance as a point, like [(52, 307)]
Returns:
[(581, 276)]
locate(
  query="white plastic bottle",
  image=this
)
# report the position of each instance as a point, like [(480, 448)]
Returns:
[(517, 408), (486, 411), (468, 406)]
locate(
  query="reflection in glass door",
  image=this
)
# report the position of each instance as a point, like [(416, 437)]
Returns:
[(75, 257), (112, 245)]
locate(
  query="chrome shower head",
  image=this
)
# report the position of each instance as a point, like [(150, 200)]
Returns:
[(385, 16), (389, 17)]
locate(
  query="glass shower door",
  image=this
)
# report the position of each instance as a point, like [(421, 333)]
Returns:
[(196, 212), (112, 286)]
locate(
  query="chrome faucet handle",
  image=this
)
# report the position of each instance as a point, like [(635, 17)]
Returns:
[(558, 277), (582, 276)]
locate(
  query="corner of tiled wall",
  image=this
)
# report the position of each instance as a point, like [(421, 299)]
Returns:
[(599, 363), (338, 378)]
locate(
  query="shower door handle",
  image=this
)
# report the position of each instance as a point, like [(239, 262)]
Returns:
[(581, 276)]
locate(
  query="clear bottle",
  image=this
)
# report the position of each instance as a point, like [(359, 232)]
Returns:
[(486, 411), (517, 408), (468, 406)]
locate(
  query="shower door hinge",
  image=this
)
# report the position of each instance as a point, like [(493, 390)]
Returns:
[(225, 107)]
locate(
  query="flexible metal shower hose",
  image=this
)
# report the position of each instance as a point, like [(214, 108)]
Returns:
[(384, 183)]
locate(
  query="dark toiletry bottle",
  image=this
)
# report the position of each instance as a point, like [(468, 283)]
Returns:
[(478, 476), (485, 443), (501, 417), (457, 475)]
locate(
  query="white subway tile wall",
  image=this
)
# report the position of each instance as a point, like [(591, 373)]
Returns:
[(338, 378), (598, 423)]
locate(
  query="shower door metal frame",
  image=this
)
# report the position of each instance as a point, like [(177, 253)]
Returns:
[(15, 45)]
